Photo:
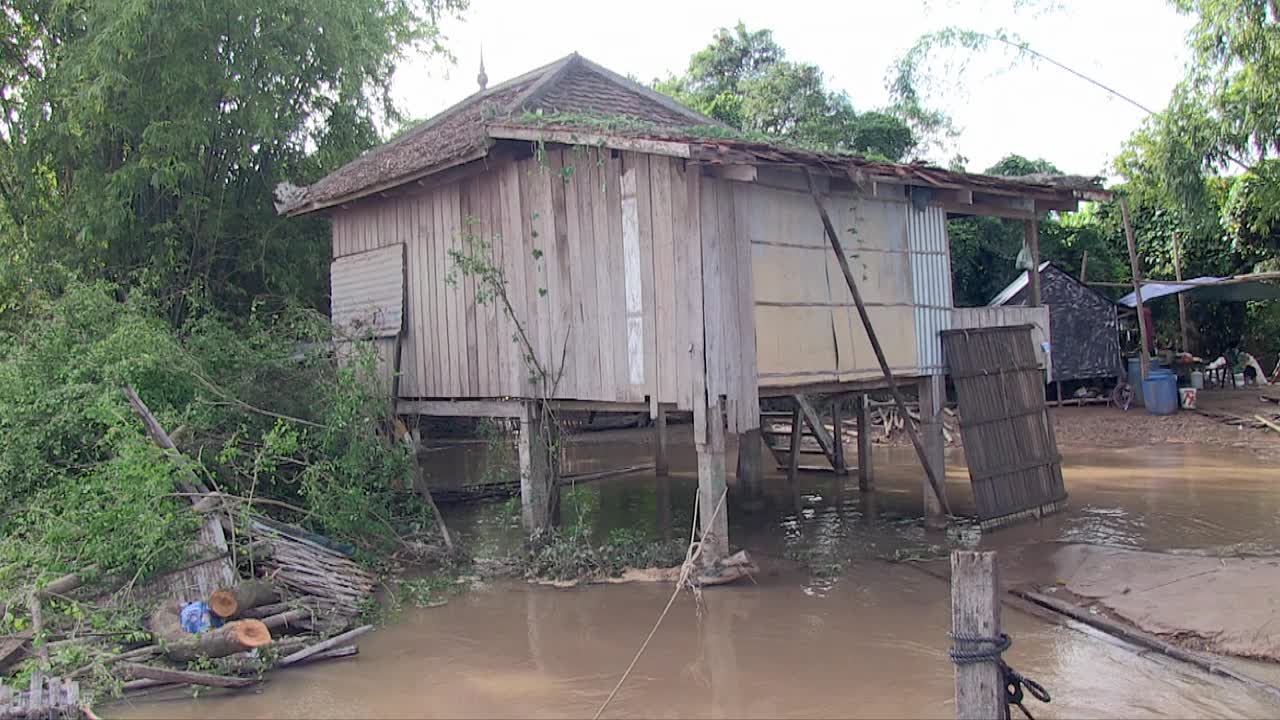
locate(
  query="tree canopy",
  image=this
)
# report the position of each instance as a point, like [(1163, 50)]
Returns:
[(743, 78), (140, 141)]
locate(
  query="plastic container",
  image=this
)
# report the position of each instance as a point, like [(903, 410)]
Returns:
[(1197, 380), (1160, 392), (1187, 398)]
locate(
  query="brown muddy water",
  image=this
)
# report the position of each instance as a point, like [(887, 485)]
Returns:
[(831, 629)]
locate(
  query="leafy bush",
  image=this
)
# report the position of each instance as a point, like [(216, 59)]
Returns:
[(258, 414)]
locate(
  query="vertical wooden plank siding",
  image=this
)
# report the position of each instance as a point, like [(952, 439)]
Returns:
[(713, 286), (422, 303), (559, 290), (621, 213), (590, 384), (444, 328), (471, 213), (408, 352), (602, 241), (644, 223), (514, 260), (688, 231), (664, 277), (575, 313), (687, 295), (749, 391)]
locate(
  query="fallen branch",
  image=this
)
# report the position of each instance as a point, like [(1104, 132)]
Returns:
[(1268, 423), (168, 675), (287, 618), (319, 647)]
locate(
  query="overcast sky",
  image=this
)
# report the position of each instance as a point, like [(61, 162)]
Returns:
[(1136, 46)]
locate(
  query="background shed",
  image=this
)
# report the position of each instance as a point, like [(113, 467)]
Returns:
[(1084, 326)]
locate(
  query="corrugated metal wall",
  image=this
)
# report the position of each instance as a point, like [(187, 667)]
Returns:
[(930, 284), (368, 292)]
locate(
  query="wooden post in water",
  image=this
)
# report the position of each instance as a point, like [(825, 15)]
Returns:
[(539, 473), (714, 523), (750, 465), (662, 460), (837, 436), (932, 394), (975, 613), (863, 408)]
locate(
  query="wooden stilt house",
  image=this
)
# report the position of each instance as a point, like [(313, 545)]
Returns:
[(647, 258)]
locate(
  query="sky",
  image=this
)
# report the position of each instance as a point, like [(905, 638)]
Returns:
[(1001, 105)]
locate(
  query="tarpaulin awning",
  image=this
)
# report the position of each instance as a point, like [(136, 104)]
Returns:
[(1232, 289)]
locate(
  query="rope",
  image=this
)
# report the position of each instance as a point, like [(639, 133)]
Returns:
[(685, 570), (990, 649)]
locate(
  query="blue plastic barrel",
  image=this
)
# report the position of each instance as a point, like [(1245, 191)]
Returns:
[(1160, 392)]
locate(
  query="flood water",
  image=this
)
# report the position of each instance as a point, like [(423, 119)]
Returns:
[(830, 629)]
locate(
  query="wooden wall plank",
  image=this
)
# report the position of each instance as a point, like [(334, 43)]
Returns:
[(602, 244), (749, 390), (534, 200), (686, 221), (464, 310), (579, 333), (470, 212), (561, 289), (644, 209), (591, 382), (624, 236), (422, 303), (514, 263), (714, 289), (444, 328), (664, 279), (686, 295), (494, 344), (730, 331)]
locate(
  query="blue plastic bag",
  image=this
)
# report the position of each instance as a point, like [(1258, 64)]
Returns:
[(196, 618)]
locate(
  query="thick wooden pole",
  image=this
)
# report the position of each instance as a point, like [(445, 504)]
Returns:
[(713, 522), (662, 460), (837, 436), (1032, 230), (975, 613), (750, 464), (1084, 266), (838, 249), (864, 442), (1144, 353), (931, 394), (539, 484), (1182, 297), (797, 436)]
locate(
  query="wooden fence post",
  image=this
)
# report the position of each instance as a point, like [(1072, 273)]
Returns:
[(975, 613)]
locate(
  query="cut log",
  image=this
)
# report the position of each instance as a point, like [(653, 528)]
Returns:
[(229, 639), (169, 675), (230, 602)]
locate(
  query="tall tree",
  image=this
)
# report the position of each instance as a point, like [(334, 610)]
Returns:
[(140, 140), (744, 79)]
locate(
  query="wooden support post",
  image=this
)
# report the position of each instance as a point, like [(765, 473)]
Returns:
[(1182, 297), (750, 463), (662, 458), (1144, 354), (837, 436), (975, 613), (836, 247), (932, 397), (1032, 229), (711, 486), (1084, 266), (864, 443), (797, 435), (539, 481)]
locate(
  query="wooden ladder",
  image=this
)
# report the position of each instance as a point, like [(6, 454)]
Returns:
[(803, 421)]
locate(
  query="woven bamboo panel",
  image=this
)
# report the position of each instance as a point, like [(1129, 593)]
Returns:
[(1014, 465)]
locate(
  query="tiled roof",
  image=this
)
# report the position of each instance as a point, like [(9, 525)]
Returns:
[(571, 84)]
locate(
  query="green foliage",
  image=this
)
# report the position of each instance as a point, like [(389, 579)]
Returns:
[(260, 418), (140, 142), (744, 79), (569, 555)]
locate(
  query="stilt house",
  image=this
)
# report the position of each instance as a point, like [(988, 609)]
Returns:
[(647, 258)]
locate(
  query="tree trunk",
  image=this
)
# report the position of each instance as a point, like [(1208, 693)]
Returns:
[(229, 639), (230, 602)]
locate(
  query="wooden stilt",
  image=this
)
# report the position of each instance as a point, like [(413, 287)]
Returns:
[(750, 463), (1136, 267), (863, 409), (539, 470), (932, 395), (975, 616), (1032, 230), (837, 436), (711, 486), (1059, 384), (797, 435), (662, 462)]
